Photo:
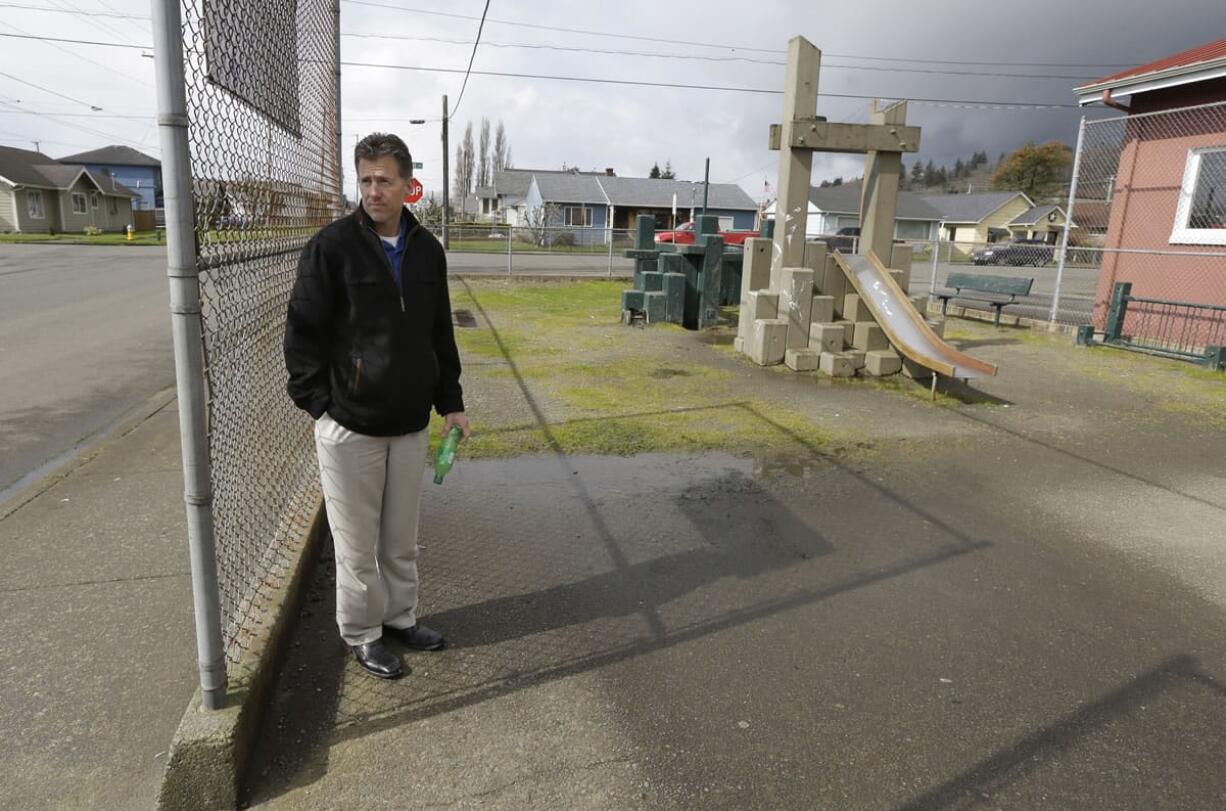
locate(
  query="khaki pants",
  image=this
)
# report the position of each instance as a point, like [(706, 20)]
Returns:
[(372, 489)]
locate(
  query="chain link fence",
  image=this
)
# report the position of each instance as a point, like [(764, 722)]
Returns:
[(481, 247), (1148, 207), (262, 107)]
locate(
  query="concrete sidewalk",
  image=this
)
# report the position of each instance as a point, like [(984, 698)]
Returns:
[(99, 656), (1017, 603)]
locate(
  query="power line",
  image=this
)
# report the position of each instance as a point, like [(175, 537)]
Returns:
[(49, 90), (925, 61), (76, 41), (723, 46), (74, 54), (100, 133), (531, 46), (658, 55), (468, 72), (79, 13), (19, 111), (964, 103)]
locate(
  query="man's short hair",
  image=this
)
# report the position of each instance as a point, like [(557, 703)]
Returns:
[(380, 145)]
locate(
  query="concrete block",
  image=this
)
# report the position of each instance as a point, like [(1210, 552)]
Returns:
[(795, 304), (849, 330), (762, 304), (755, 275), (767, 342), (674, 294), (920, 303), (833, 283), (655, 305), (801, 360), (869, 336), (854, 309), (738, 344), (815, 258), (901, 260), (938, 326), (915, 371), (900, 278), (836, 364), (632, 300), (827, 337), (882, 362), (822, 311), (653, 281), (856, 357)]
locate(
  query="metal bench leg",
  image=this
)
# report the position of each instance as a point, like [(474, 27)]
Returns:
[(944, 305), (999, 307)]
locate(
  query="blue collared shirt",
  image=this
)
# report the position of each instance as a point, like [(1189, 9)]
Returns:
[(395, 253)]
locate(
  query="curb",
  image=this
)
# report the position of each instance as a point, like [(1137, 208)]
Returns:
[(85, 451), (1006, 320), (211, 749)]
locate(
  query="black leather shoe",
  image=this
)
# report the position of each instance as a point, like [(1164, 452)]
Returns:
[(377, 660), (418, 637)]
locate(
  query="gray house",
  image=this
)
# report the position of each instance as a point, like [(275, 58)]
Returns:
[(39, 195), (596, 201), (834, 207)]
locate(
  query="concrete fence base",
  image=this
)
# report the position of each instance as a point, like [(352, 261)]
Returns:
[(212, 748)]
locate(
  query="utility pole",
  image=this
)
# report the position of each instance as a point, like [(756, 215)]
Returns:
[(36, 147), (706, 185), (446, 179)]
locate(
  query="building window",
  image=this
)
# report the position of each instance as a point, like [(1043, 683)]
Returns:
[(35, 201), (1200, 218), (93, 200), (78, 203), (112, 206), (578, 216)]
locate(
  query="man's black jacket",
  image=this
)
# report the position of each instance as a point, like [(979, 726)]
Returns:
[(356, 347)]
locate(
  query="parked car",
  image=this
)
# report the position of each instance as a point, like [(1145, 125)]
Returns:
[(1015, 252), (684, 235), (844, 239)]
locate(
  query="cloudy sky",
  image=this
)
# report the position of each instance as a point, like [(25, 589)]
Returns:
[(950, 50)]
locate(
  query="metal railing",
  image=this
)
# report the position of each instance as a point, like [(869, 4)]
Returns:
[(1178, 329)]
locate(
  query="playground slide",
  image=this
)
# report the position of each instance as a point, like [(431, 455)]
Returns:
[(903, 324)]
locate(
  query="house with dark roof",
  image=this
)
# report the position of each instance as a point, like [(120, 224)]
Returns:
[(835, 207), (589, 204), (1167, 183), (1044, 222), (41, 195), (980, 218), (134, 170)]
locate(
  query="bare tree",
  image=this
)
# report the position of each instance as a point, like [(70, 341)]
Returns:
[(538, 220), (500, 148), (483, 160), (506, 164), (464, 166)]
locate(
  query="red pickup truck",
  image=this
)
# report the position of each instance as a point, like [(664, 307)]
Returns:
[(684, 235)]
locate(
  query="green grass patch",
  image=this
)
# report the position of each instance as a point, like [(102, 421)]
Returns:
[(607, 388), (139, 238)]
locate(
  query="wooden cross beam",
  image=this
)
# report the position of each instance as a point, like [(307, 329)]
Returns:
[(804, 132)]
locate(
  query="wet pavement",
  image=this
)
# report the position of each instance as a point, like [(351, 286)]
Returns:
[(954, 629)]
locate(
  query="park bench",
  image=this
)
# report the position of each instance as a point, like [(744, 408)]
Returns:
[(997, 291)]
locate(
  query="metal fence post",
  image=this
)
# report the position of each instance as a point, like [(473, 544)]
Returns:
[(1068, 219), (610, 251), (936, 259), (184, 279), (510, 260), (1117, 312)]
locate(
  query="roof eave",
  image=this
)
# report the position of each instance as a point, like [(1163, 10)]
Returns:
[(1155, 80)]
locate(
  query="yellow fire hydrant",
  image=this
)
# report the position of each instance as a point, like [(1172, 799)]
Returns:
[(131, 233)]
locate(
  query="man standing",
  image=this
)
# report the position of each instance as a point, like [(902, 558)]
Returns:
[(369, 348)]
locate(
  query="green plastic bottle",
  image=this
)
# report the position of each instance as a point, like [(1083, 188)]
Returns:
[(445, 457)]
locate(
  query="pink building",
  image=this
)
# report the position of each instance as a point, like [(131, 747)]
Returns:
[(1162, 167)]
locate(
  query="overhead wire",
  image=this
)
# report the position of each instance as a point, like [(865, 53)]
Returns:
[(473, 56)]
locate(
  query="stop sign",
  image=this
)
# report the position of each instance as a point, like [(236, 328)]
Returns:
[(415, 191)]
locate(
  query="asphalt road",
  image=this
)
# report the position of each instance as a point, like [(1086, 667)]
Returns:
[(84, 338)]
